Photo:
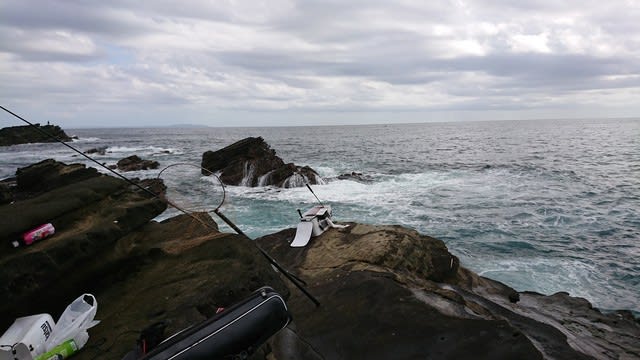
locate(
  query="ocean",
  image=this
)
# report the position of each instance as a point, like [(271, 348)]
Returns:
[(545, 206)]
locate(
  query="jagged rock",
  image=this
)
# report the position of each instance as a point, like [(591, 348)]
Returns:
[(178, 271), (134, 163), (355, 176), (99, 150), (252, 162), (28, 134), (50, 174), (389, 292)]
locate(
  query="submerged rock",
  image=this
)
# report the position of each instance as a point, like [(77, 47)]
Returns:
[(135, 163), (102, 150), (252, 162), (28, 134), (356, 176)]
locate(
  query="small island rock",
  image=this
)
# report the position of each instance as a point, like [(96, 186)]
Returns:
[(29, 134), (252, 162)]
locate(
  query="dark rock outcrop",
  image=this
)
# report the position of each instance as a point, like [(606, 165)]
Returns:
[(355, 176), (50, 174), (99, 150), (90, 213), (135, 163), (389, 292), (28, 134), (178, 271), (252, 162)]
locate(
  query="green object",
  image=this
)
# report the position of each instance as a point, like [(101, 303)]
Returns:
[(60, 352)]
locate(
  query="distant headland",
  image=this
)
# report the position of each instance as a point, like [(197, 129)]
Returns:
[(31, 134)]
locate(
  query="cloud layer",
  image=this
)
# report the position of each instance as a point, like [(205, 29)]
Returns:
[(286, 62)]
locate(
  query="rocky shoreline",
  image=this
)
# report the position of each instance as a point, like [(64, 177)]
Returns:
[(386, 291)]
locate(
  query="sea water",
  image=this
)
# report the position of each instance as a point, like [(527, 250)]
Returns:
[(544, 206)]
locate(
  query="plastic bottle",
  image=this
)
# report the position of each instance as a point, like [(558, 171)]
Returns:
[(67, 348), (36, 234)]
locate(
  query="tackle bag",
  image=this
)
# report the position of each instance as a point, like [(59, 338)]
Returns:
[(236, 332)]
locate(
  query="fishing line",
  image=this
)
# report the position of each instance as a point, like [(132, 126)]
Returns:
[(294, 279)]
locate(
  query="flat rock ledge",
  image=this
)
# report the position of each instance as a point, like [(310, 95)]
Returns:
[(388, 292)]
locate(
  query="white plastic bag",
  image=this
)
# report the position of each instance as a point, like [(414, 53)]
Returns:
[(77, 317)]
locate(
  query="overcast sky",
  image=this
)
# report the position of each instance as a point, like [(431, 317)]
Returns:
[(261, 63)]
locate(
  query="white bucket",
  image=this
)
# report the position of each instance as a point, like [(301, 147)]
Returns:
[(32, 331)]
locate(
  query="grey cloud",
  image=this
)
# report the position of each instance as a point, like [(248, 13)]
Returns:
[(88, 17), (327, 54)]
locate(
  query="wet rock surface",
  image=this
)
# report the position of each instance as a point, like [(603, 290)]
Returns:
[(28, 134), (102, 150), (135, 163), (252, 162), (356, 176)]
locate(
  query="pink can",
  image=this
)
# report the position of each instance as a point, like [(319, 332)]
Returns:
[(38, 233)]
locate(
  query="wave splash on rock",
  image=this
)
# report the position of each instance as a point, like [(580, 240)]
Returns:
[(251, 162)]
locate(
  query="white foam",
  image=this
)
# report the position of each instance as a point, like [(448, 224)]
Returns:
[(87, 139), (247, 174), (325, 171), (295, 180), (264, 179), (144, 149), (551, 275)]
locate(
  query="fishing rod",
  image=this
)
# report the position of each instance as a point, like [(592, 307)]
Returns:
[(294, 279), (314, 194)]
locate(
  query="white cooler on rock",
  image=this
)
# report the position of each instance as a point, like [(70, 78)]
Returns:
[(26, 338)]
